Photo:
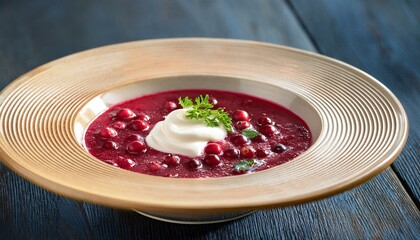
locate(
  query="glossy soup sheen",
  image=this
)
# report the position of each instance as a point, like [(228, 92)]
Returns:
[(112, 136)]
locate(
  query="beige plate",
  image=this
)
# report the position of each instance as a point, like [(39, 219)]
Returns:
[(359, 125)]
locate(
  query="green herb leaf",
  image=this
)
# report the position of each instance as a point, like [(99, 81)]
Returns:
[(250, 133), (244, 165), (203, 102), (186, 102), (202, 110)]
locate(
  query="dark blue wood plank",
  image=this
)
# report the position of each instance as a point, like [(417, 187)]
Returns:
[(34, 213), (382, 38), (35, 32)]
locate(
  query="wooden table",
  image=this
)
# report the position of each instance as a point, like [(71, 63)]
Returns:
[(379, 37)]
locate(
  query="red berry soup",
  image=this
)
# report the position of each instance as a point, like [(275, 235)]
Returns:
[(197, 134)]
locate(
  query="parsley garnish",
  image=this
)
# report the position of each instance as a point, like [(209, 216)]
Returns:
[(186, 102), (244, 165), (250, 133), (202, 110)]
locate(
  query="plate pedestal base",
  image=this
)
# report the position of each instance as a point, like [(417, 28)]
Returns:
[(195, 218)]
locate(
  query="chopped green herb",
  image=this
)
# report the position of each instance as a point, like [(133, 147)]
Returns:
[(244, 165), (186, 102), (202, 110), (250, 133)]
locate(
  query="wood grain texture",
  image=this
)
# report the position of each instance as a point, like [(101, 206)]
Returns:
[(356, 214), (383, 39), (35, 32)]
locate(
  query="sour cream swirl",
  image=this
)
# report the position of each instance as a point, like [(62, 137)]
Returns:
[(178, 134)]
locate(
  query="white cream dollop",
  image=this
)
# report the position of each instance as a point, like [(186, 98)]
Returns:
[(178, 134)]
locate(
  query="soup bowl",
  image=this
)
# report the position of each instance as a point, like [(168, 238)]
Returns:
[(358, 126)]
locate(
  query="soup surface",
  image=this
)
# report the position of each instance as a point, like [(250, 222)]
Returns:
[(263, 135)]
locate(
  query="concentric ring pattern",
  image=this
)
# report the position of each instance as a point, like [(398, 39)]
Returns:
[(364, 127)]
